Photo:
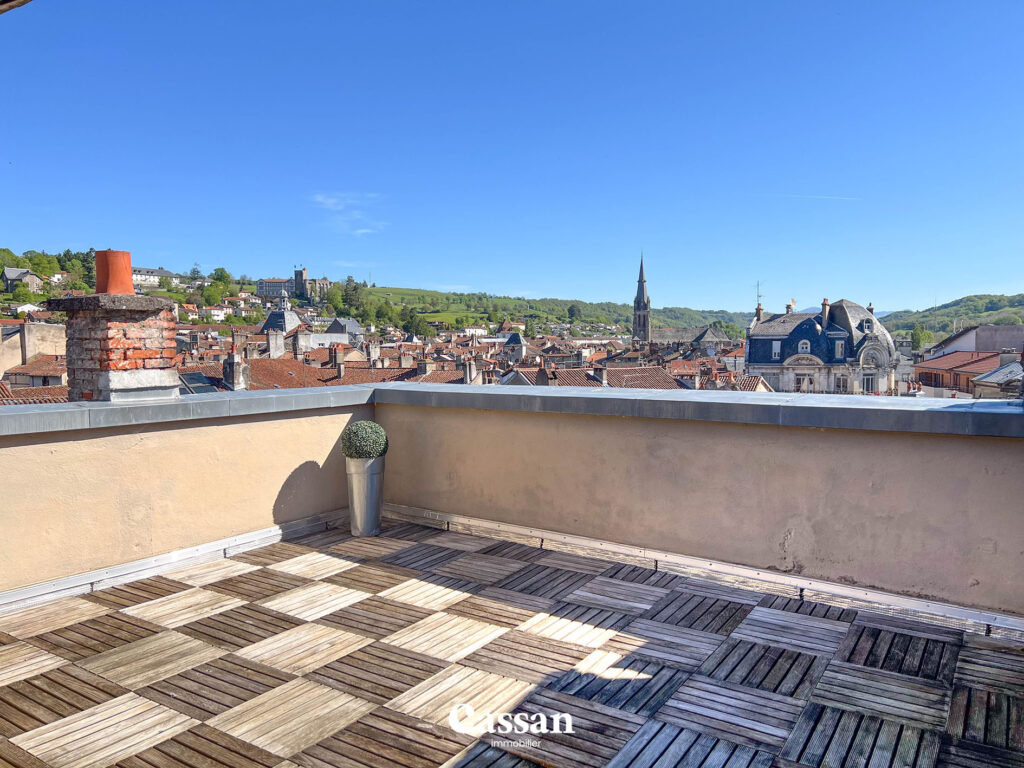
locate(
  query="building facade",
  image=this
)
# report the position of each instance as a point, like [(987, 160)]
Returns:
[(843, 349)]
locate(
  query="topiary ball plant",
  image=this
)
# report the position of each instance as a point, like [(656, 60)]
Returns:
[(364, 440)]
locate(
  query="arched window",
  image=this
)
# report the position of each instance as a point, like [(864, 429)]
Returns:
[(803, 346)]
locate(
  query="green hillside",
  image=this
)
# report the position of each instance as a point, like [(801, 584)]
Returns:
[(969, 310), (473, 307)]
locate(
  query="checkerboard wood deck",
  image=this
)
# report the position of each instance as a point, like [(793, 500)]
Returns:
[(334, 651)]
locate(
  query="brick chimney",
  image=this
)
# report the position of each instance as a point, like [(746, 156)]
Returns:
[(275, 344), (335, 355), (758, 313), (236, 371), (119, 346)]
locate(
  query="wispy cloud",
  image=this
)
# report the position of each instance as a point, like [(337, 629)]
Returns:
[(348, 212)]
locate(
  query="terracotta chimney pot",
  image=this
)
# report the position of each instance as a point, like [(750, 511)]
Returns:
[(114, 273)]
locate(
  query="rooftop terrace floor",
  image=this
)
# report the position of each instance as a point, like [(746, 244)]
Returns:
[(333, 651)]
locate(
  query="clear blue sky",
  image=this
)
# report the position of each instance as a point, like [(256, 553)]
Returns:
[(872, 150)]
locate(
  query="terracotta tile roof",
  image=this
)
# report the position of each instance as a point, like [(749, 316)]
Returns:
[(749, 383), (442, 377), (954, 360), (42, 365), (32, 395)]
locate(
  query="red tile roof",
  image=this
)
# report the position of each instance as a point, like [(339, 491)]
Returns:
[(954, 360), (32, 395), (42, 365)]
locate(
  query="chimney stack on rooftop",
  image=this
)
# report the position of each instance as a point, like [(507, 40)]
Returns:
[(275, 344), (405, 361), (119, 346), (235, 371), (758, 313), (824, 314), (1007, 356)]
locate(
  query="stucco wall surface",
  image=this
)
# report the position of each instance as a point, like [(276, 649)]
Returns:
[(82, 500), (927, 515)]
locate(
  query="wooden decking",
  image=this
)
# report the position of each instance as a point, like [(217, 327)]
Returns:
[(333, 651)]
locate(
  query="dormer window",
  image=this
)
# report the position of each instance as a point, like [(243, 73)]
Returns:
[(776, 350), (869, 326), (804, 346)]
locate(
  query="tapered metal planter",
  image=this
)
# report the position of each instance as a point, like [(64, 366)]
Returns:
[(365, 494)]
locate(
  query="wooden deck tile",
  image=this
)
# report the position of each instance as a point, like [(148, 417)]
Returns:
[(544, 581), (569, 561), (46, 617), (372, 548), (21, 660), (576, 624), (424, 557), (240, 626), (611, 594), (304, 648), (207, 573), (987, 717), (701, 612), (311, 601), (661, 744), (145, 661), (378, 672), (104, 734), (375, 617), (733, 590), (523, 656), (747, 716), (481, 569), (215, 687), (501, 606), (964, 754), (483, 755), (462, 541), (808, 608), (292, 717), (374, 578), (629, 683), (385, 737), (636, 574), (272, 553), (433, 699), (599, 732), (825, 737), (37, 701), (393, 529), (777, 670), (203, 747), (135, 592), (899, 624), (16, 757), (257, 585), (445, 636), (910, 700), (913, 655), (514, 551), (432, 592), (792, 630), (183, 607), (315, 565), (992, 666), (325, 539), (666, 644)]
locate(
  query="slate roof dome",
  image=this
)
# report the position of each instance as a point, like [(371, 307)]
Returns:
[(867, 334), (281, 320)]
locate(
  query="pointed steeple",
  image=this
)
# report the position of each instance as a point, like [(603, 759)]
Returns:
[(641, 283)]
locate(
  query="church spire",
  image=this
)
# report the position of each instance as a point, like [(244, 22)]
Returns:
[(642, 308), (641, 283)]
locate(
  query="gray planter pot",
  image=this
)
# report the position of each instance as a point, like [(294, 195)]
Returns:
[(365, 494)]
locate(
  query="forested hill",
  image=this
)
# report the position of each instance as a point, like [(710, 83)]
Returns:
[(450, 306), (969, 310)]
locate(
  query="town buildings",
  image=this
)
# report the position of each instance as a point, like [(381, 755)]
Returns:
[(12, 277)]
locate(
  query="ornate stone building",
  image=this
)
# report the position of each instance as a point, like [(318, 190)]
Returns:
[(842, 349), (642, 310)]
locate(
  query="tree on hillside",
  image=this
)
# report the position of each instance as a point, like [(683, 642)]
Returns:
[(920, 336), (575, 311), (21, 294), (195, 273), (221, 275), (531, 328)]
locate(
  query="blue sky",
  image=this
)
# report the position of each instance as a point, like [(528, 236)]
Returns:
[(858, 149)]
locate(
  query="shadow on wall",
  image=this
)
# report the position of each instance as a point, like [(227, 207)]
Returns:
[(313, 489)]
